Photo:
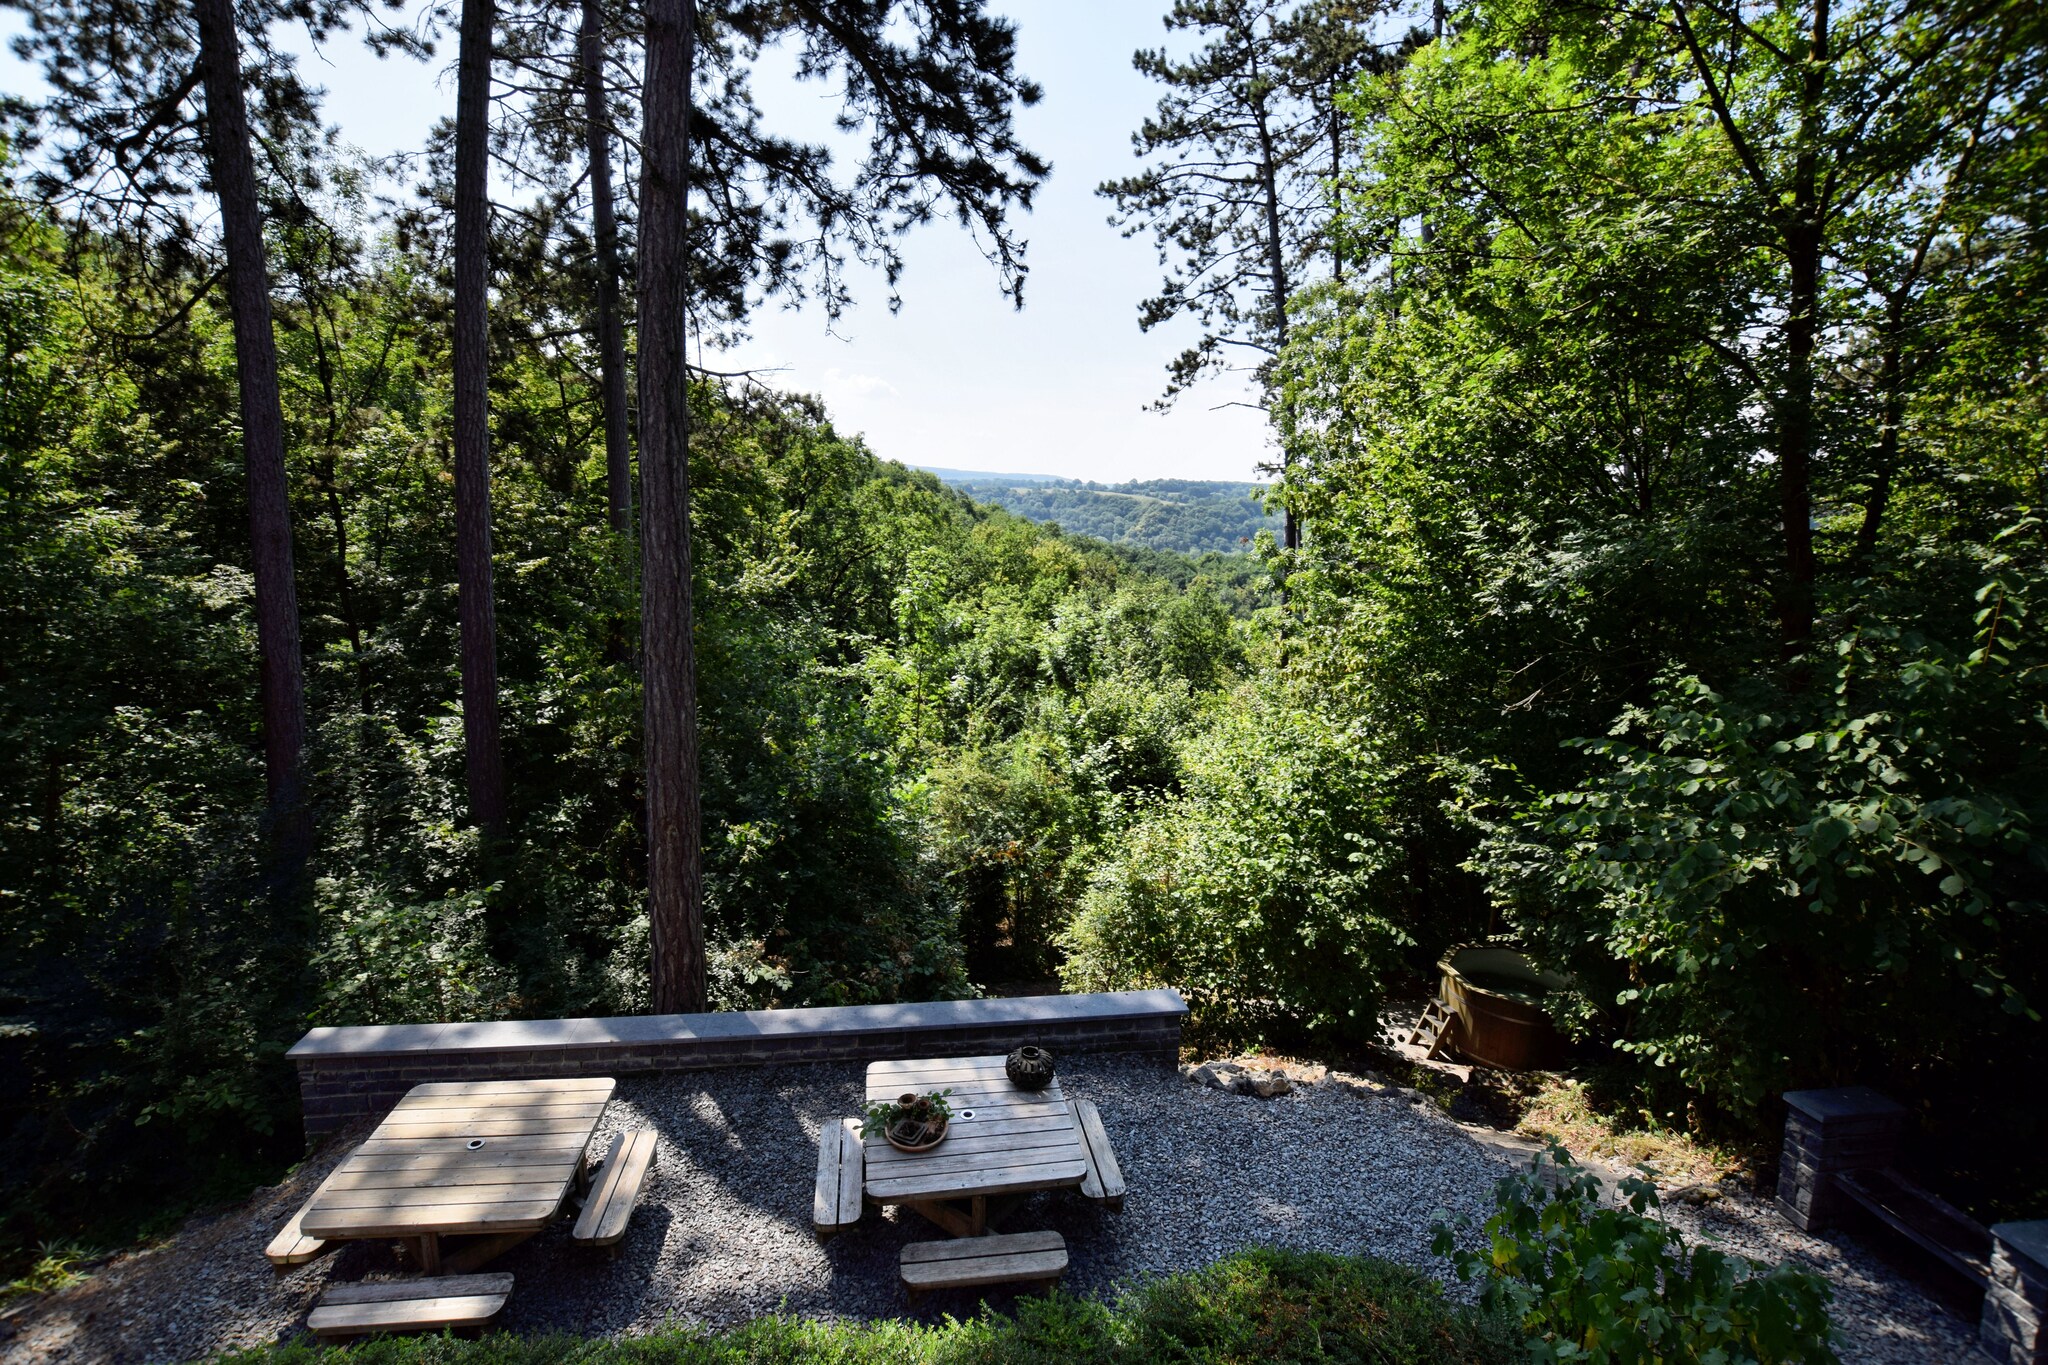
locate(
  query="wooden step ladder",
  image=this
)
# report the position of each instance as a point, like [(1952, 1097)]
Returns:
[(1432, 1032)]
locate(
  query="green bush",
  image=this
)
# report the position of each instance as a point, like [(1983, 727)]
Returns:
[(1260, 1305), (1595, 1282), (1261, 891), (1798, 886)]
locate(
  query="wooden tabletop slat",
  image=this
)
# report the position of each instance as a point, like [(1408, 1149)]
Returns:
[(490, 1128), (945, 1066), (458, 1113), (996, 1091), (999, 1121), (1001, 1180), (430, 1089), (516, 1142), (418, 1178), (440, 1220), (963, 1140), (932, 1164), (1007, 1097), (425, 1164), (527, 1192), (584, 1095)]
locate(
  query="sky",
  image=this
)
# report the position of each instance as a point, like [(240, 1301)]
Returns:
[(957, 377)]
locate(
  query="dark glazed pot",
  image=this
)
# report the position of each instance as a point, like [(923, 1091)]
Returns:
[(1030, 1068)]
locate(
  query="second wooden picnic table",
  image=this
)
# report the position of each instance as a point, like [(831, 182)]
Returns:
[(495, 1160), (1002, 1140)]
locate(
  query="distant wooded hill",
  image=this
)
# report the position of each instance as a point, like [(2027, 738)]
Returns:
[(1189, 516)]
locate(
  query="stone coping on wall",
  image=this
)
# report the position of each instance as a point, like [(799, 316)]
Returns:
[(360, 1071)]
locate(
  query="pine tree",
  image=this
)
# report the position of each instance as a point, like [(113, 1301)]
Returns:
[(1238, 199), (483, 758), (150, 104), (939, 101)]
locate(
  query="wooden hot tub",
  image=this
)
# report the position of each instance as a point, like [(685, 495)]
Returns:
[(1496, 996)]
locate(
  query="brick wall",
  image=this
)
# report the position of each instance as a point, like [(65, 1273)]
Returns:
[(1828, 1133), (351, 1073)]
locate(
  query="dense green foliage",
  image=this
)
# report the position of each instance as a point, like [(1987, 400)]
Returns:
[(1187, 516), (1541, 454), (1605, 1284), (1551, 663), (920, 715), (1288, 1307)]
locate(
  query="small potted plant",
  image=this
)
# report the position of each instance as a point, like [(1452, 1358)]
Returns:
[(911, 1122)]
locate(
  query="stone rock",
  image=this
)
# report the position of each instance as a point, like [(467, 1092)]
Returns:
[(1697, 1195), (1237, 1079)]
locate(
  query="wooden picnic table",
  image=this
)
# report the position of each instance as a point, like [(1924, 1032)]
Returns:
[(1002, 1141), (490, 1159)]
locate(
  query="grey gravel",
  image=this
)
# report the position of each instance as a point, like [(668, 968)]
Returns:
[(723, 1233)]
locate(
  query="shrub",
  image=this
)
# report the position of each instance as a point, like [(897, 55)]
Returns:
[(1263, 891), (1797, 887), (1596, 1282)]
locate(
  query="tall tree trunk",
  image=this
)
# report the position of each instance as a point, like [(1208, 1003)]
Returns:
[(1795, 436), (281, 671), (483, 763), (1336, 174), (675, 856), (1276, 266), (611, 330), (1436, 33), (1892, 388)]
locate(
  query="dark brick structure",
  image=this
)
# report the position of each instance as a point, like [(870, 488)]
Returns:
[(2016, 1301), (1828, 1132), (351, 1073)]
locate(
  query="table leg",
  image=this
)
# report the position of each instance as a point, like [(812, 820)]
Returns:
[(1001, 1207), (977, 1217), (481, 1250), (429, 1251), (949, 1219)]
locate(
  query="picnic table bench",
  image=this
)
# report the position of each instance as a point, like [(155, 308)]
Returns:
[(428, 1305), (968, 1262), (616, 1190)]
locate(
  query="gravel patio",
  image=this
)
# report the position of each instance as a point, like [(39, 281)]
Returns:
[(724, 1232)]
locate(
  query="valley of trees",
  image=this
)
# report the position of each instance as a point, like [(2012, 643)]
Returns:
[(1185, 516), (394, 625)]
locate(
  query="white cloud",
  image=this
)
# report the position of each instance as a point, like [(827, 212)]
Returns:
[(839, 383)]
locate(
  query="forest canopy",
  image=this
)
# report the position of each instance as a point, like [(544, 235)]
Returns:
[(1660, 410), (1187, 516)]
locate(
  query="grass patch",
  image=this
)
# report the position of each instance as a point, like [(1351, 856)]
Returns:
[(1570, 1112), (1261, 1305), (54, 1268)]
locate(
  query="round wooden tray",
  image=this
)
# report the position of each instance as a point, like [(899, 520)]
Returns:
[(920, 1147)]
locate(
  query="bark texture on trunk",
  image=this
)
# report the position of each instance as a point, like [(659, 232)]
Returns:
[(281, 671), (483, 762), (675, 864), (1891, 385), (1276, 266), (1803, 235), (611, 329)]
